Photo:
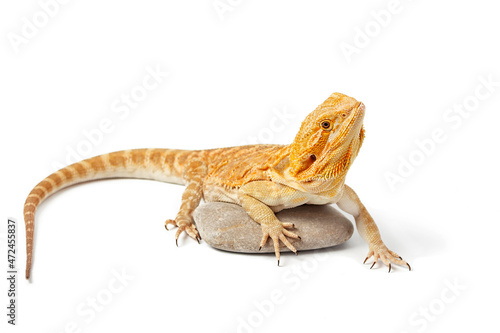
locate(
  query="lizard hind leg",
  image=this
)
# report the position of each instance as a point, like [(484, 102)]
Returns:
[(194, 174)]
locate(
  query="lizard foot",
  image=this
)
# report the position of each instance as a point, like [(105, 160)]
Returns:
[(278, 232), (188, 227), (386, 256)]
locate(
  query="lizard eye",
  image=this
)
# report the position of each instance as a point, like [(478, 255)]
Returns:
[(326, 125)]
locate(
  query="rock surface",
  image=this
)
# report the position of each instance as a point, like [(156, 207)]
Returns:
[(228, 227)]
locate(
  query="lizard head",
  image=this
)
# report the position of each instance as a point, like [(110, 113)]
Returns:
[(328, 140)]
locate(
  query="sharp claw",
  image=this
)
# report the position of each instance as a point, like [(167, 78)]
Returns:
[(400, 258), (409, 267), (373, 264), (299, 237), (389, 268), (260, 247), (365, 260), (197, 240), (176, 244), (166, 227), (278, 262), (296, 253)]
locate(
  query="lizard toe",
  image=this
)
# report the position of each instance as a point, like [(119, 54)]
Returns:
[(387, 256), (167, 222), (190, 229), (277, 232)]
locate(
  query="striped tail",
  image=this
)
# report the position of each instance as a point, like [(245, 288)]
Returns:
[(157, 164)]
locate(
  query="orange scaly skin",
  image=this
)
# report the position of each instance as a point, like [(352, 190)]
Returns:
[(263, 179)]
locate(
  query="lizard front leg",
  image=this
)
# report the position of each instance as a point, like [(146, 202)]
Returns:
[(194, 173), (368, 230), (257, 198)]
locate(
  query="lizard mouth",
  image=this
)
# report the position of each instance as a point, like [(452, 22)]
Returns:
[(348, 130)]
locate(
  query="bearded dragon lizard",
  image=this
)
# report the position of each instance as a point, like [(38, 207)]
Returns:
[(263, 179)]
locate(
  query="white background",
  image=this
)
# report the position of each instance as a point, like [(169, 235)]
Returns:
[(227, 73)]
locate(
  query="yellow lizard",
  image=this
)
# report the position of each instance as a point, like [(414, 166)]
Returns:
[(263, 179)]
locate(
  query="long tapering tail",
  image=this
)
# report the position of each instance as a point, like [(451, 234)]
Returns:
[(157, 164)]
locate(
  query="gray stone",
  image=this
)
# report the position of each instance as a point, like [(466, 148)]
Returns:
[(228, 227)]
